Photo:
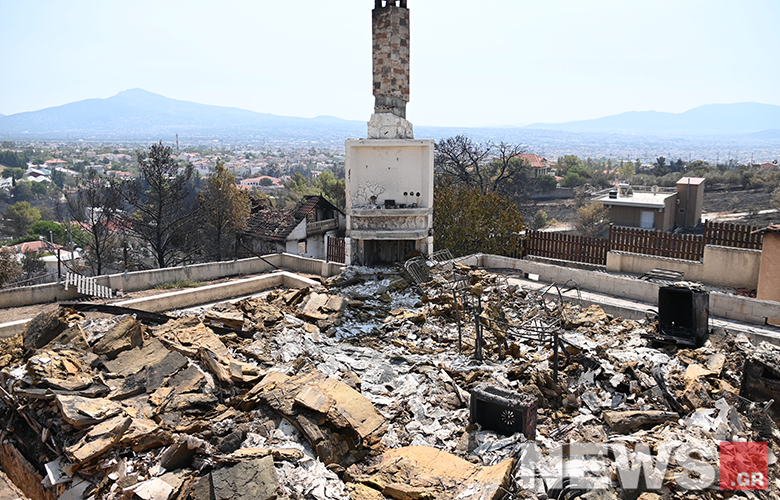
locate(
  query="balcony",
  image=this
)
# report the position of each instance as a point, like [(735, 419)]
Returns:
[(321, 226)]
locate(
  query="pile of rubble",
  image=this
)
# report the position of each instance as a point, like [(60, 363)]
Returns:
[(370, 387)]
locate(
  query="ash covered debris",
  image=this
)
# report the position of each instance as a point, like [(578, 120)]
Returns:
[(363, 388)]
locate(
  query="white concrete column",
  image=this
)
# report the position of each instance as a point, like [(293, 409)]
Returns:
[(348, 251)]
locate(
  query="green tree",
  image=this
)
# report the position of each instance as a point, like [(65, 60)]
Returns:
[(14, 159), (776, 199), (593, 220), (10, 269), (546, 182), (572, 179), (19, 218), (660, 167), (266, 181), (39, 189), (22, 191), (627, 169), (540, 220), (47, 229), (58, 178), (467, 220), (13, 173), (95, 204), (163, 212), (223, 211), (565, 163), (332, 188)]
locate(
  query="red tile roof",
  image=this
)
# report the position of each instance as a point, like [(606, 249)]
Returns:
[(276, 225), (536, 161)]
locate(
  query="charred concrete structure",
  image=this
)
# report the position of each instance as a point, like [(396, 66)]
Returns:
[(389, 175)]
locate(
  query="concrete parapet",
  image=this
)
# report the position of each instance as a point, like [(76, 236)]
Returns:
[(716, 267), (215, 293), (195, 296), (745, 309), (143, 280)]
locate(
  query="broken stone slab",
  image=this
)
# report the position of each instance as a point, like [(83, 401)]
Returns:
[(191, 402), (74, 337), (253, 480), (188, 334), (46, 326), (99, 440), (229, 319), (359, 491), (133, 361), (591, 316), (180, 454), (624, 422), (286, 454), (310, 308), (74, 383), (59, 364), (338, 421), (123, 336), (417, 472), (158, 373), (144, 434), (189, 380), (129, 386), (153, 489), (82, 412)]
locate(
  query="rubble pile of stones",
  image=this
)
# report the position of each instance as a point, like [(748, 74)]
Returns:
[(356, 389)]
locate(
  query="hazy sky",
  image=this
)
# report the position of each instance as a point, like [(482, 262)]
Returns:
[(474, 63)]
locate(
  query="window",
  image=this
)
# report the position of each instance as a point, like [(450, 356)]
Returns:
[(647, 220)]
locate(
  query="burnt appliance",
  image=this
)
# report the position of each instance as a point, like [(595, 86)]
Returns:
[(683, 315), (503, 411)]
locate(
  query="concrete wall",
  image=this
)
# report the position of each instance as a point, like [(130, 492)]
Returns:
[(644, 291), (716, 268), (394, 166), (691, 198), (554, 194), (769, 280), (667, 216), (143, 280), (734, 307)]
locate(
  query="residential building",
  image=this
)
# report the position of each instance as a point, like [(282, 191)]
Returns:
[(303, 230), (656, 208), (539, 165)]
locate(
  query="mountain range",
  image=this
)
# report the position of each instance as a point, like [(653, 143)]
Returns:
[(711, 119), (140, 115)]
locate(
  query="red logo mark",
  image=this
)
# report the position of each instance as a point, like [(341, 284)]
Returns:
[(744, 466)]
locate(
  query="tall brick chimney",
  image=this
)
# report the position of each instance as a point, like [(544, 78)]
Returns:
[(390, 22), (389, 175)]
